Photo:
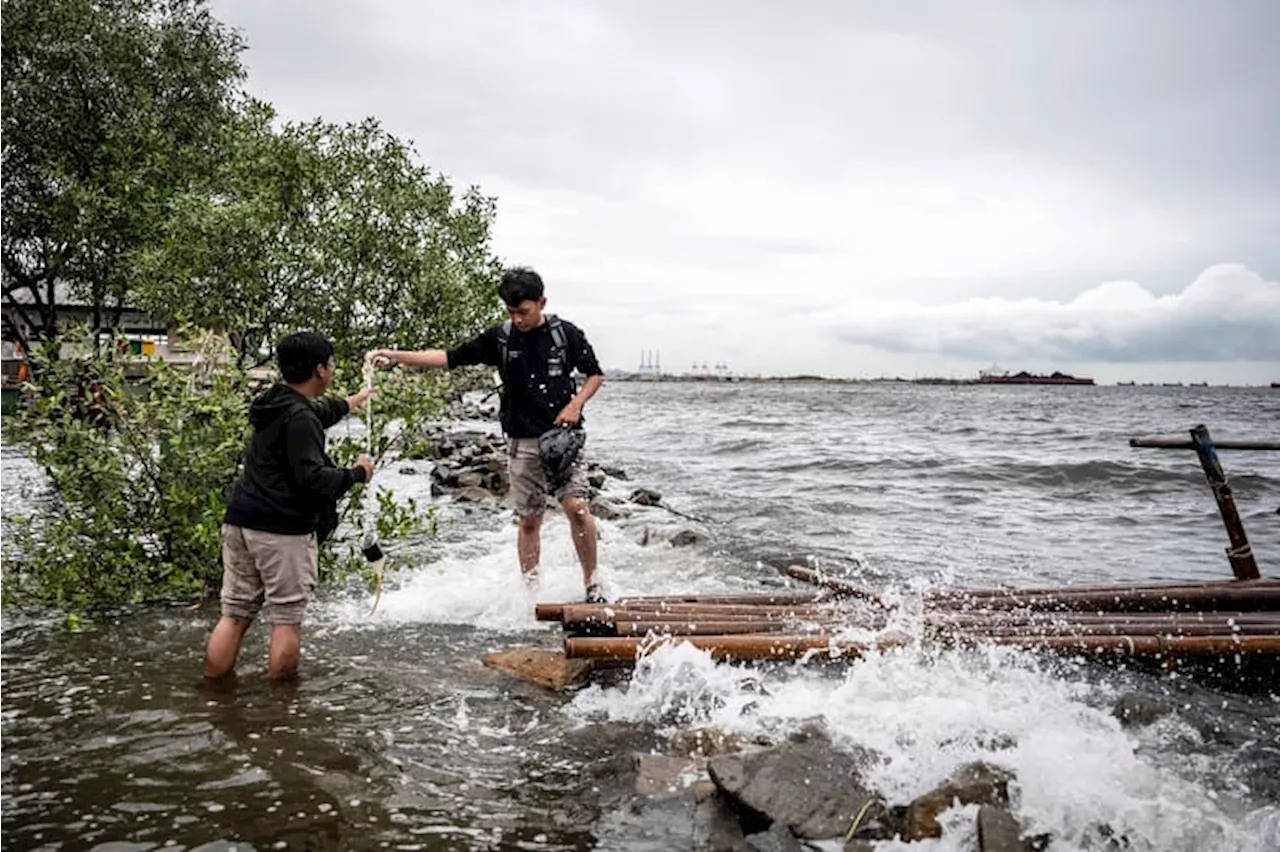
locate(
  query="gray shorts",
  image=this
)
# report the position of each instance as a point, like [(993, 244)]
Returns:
[(261, 566), (528, 494)]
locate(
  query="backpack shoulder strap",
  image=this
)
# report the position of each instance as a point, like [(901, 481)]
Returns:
[(504, 342), (555, 325)]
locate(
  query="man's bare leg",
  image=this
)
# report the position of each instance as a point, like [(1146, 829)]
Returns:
[(583, 527), (224, 646), (529, 546), (285, 652)]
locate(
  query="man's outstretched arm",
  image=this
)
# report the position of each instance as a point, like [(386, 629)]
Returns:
[(432, 358)]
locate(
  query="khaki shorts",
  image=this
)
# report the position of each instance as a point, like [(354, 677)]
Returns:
[(528, 494), (261, 566)]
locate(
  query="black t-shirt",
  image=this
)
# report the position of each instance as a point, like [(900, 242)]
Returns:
[(535, 386)]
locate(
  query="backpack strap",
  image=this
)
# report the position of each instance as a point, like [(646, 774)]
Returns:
[(560, 340), (556, 326), (504, 343)]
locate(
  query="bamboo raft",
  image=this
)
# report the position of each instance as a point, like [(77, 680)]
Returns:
[(1235, 619)]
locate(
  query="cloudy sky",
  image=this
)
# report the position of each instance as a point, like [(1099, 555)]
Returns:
[(844, 188)]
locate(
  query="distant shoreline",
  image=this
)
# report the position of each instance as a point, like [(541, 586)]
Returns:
[(812, 379)]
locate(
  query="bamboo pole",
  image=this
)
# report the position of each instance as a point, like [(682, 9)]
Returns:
[(627, 626), (1184, 444), (715, 628), (1146, 645), (573, 611), (1120, 630), (831, 584), (978, 617), (784, 647), (1256, 595), (748, 647), (602, 613), (994, 621), (554, 611), (974, 626), (1169, 588), (1118, 622), (1239, 554)]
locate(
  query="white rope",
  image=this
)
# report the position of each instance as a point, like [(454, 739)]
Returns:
[(369, 523)]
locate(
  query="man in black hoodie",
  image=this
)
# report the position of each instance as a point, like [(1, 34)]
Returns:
[(283, 506)]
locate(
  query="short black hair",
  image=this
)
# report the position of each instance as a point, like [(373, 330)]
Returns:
[(520, 283), (300, 353)]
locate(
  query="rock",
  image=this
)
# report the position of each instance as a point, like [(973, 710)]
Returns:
[(545, 668), (444, 473), (408, 470), (999, 831), (685, 537), (971, 784), (985, 740), (708, 741), (1140, 709), (470, 479), (858, 846), (715, 824), (603, 507), (809, 786), (437, 489), (1099, 836), (596, 479), (615, 472), (659, 774), (472, 494), (777, 839), (646, 497)]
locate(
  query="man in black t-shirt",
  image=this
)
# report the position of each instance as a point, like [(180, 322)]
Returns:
[(536, 354)]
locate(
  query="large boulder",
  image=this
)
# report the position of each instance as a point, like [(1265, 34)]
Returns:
[(809, 786)]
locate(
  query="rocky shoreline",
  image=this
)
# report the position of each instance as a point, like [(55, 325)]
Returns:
[(471, 466), (805, 793)]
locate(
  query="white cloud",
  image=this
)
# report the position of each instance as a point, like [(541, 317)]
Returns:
[(1228, 313)]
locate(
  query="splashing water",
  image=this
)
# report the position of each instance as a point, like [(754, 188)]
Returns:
[(1079, 774)]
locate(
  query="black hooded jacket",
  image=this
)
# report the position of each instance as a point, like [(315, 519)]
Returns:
[(289, 485)]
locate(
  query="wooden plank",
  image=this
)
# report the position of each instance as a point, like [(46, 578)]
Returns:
[(544, 667)]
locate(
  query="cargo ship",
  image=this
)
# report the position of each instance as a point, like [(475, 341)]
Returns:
[(996, 376)]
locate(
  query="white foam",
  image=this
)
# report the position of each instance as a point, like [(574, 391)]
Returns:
[(478, 581)]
